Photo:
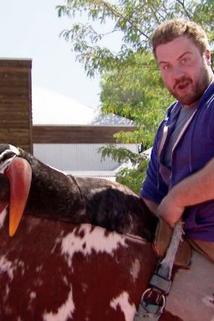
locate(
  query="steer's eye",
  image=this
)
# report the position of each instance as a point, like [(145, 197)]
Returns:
[(6, 155), (5, 159)]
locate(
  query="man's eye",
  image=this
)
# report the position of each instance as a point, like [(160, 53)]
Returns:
[(165, 67), (185, 61)]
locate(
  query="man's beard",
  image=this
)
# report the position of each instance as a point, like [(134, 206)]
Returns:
[(197, 89)]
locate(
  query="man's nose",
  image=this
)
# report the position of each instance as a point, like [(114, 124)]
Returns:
[(178, 72)]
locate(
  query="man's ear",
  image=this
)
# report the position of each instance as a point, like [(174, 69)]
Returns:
[(207, 55)]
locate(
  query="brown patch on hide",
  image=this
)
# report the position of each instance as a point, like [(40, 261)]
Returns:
[(39, 278)]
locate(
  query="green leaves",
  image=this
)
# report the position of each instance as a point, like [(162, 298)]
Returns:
[(134, 20), (120, 154), (135, 91), (133, 177)]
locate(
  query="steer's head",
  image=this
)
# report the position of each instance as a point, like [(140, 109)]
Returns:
[(15, 181)]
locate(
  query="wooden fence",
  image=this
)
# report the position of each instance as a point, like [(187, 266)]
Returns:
[(76, 134), (15, 103)]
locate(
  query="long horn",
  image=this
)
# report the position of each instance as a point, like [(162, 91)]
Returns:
[(20, 175)]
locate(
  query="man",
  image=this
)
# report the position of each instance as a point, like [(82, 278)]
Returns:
[(180, 176)]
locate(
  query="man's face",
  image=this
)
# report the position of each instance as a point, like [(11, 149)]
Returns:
[(185, 71)]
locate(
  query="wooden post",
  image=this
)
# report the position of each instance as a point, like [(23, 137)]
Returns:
[(16, 103)]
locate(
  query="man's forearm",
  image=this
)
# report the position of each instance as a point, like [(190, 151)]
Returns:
[(195, 189)]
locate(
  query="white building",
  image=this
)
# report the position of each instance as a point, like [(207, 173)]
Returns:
[(50, 108)]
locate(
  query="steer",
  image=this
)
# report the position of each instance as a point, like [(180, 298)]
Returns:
[(59, 268)]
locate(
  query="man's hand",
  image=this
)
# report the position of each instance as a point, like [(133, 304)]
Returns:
[(169, 211)]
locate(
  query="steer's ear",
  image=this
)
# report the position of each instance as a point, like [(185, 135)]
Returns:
[(19, 173)]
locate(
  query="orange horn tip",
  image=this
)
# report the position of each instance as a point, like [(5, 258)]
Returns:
[(20, 175)]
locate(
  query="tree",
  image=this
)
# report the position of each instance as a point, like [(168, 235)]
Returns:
[(136, 91), (133, 20), (131, 84)]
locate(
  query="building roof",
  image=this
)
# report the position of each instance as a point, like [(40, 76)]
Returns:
[(51, 108)]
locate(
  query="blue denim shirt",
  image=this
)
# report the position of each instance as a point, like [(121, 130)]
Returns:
[(191, 152)]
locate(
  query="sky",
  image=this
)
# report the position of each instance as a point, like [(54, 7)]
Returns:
[(30, 29)]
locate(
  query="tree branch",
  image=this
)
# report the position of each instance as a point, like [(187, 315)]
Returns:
[(118, 14), (184, 8)]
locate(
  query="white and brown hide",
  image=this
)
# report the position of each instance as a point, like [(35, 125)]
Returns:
[(56, 271)]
